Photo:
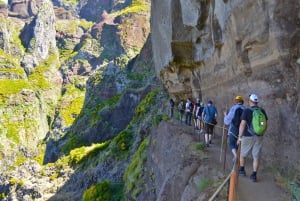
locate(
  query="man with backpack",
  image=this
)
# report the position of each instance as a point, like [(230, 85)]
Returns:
[(172, 104), (233, 119), (195, 113), (199, 117), (208, 115), (188, 112), (252, 127), (181, 108)]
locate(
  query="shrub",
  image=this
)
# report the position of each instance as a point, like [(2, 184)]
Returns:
[(133, 173), (8, 87), (104, 191), (146, 104), (204, 184), (158, 118), (98, 192), (121, 144)]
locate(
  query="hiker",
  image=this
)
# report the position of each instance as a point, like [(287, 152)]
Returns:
[(188, 112), (208, 115), (249, 140), (172, 103), (199, 117), (181, 108), (233, 120), (195, 113)]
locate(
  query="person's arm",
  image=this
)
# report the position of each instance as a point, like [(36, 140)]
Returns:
[(242, 129), (228, 117)]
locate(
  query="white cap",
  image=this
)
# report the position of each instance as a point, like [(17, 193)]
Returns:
[(253, 98)]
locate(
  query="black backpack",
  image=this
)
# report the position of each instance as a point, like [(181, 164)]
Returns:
[(237, 117), (199, 113)]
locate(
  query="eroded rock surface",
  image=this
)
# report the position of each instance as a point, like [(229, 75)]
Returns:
[(219, 49)]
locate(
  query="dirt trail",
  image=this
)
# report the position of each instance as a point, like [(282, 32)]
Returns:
[(265, 189)]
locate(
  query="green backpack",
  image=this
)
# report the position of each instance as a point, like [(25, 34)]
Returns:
[(259, 122)]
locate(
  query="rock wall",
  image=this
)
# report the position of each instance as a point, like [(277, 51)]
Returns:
[(216, 49)]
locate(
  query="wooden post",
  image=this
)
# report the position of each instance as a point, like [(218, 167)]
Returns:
[(232, 186)]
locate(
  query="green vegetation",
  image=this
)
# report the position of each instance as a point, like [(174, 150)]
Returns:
[(136, 6), (204, 184), (295, 189), (2, 195), (8, 60), (70, 27), (8, 87), (145, 104), (37, 78), (83, 153), (71, 110), (121, 144), (15, 181), (16, 71), (156, 119), (71, 103), (133, 175), (104, 191), (71, 2), (199, 146), (14, 28), (65, 55)]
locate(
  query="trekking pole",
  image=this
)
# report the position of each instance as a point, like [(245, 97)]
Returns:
[(225, 151), (223, 131), (221, 151)]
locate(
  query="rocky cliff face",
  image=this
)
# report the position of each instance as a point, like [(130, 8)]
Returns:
[(79, 102), (54, 57), (219, 49)]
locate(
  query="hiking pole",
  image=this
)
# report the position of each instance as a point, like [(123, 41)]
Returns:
[(225, 151), (223, 131)]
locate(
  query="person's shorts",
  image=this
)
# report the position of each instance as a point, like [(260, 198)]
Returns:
[(254, 144), (199, 118), (232, 141), (209, 128)]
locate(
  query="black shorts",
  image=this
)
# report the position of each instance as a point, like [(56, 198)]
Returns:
[(209, 128)]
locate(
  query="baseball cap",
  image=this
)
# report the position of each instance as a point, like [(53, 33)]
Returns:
[(239, 99), (253, 98), (210, 102)]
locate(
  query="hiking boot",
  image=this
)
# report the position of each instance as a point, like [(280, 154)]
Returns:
[(253, 177), (209, 141), (242, 172)]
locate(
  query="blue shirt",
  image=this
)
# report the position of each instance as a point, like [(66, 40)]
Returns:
[(210, 113)]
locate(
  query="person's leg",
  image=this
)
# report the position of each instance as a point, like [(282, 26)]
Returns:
[(256, 155), (181, 116), (211, 130), (206, 134), (198, 123), (186, 117), (246, 146), (232, 145), (255, 165), (190, 118)]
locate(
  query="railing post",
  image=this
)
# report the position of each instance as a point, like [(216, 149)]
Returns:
[(233, 179)]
